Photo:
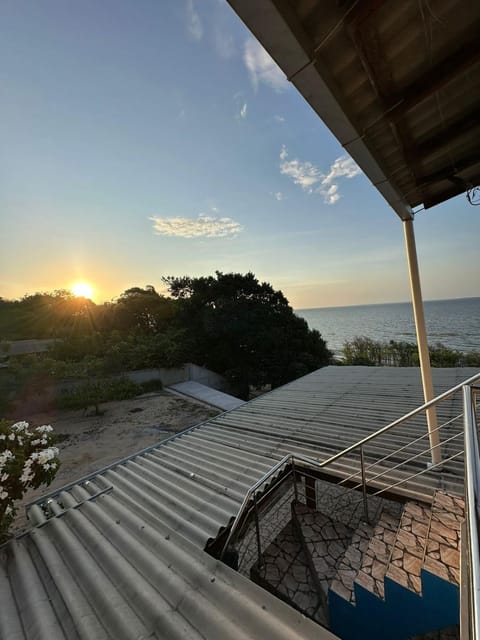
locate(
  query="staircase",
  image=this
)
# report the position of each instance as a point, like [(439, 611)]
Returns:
[(394, 578)]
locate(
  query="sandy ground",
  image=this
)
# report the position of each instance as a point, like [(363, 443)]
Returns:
[(92, 442)]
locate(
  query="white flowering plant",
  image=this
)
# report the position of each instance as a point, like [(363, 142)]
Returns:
[(28, 459)]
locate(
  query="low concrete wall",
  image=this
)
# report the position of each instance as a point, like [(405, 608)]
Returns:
[(205, 376), (189, 372)]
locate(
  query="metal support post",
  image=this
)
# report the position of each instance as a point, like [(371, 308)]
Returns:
[(257, 530), (310, 492), (422, 342), (364, 485), (294, 475)]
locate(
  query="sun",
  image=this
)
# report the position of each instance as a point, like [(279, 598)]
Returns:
[(82, 290)]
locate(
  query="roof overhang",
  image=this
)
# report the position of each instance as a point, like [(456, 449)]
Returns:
[(397, 83)]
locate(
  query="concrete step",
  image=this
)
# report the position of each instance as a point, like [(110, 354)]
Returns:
[(442, 554), (284, 572), (375, 559), (349, 564), (409, 549), (326, 540)]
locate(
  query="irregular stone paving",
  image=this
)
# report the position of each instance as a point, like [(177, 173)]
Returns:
[(272, 519), (284, 571), (399, 542), (442, 556), (326, 540), (346, 505), (410, 544), (374, 561)]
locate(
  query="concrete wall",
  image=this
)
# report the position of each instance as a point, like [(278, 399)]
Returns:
[(186, 373)]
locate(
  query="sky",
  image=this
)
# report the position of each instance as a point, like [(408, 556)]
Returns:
[(145, 139)]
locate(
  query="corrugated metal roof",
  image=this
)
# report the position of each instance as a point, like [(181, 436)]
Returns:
[(121, 554), (102, 571), (397, 83)]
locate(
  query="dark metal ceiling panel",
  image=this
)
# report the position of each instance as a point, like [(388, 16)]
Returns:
[(396, 81)]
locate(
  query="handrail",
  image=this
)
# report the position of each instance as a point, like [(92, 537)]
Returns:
[(472, 494), (407, 416), (341, 454)]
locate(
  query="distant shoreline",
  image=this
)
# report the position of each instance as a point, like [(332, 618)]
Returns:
[(381, 304)]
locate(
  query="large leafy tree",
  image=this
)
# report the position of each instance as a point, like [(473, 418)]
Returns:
[(246, 330), (143, 310)]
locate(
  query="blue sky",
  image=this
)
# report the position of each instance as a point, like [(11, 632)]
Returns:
[(142, 139)]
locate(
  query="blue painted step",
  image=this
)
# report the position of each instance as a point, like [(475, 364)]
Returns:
[(401, 615)]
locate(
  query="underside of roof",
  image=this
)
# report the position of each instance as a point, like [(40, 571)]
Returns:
[(397, 82)]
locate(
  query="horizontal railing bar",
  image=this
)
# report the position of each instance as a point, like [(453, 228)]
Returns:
[(417, 455), (420, 473), (405, 446), (320, 465), (407, 416)]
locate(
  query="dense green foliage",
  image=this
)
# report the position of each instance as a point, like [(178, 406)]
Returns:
[(231, 323), (95, 391), (246, 330), (28, 459), (365, 351)]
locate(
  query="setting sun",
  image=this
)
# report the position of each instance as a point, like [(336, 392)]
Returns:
[(82, 290)]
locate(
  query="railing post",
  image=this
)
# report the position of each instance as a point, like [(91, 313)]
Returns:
[(472, 497), (310, 492), (364, 485), (257, 529), (294, 474)]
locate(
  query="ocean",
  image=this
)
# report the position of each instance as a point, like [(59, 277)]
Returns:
[(454, 323)]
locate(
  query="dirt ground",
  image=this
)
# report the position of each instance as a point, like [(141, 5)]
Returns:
[(92, 442)]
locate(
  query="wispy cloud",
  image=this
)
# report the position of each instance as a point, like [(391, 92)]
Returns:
[(243, 111), (278, 195), (279, 119), (201, 227), (261, 67), (224, 44), (194, 24), (313, 180)]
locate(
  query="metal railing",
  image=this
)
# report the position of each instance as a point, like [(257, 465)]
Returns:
[(382, 480), (364, 474), (470, 603)]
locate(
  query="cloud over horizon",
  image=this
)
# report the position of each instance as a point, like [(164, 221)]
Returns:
[(312, 179), (262, 68), (202, 227)]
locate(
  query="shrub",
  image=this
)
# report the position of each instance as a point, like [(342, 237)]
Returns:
[(27, 460), (152, 385), (365, 351), (94, 392)]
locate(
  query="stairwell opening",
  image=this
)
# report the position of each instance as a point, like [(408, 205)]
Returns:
[(389, 572)]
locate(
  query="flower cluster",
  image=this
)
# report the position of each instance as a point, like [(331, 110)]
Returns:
[(28, 459)]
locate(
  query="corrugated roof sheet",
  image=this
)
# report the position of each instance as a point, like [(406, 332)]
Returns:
[(121, 554)]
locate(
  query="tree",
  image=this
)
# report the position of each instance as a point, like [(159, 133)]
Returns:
[(143, 310), (245, 330)]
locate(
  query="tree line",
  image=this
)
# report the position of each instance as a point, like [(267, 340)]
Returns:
[(230, 322)]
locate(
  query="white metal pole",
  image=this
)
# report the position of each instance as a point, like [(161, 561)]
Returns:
[(422, 342)]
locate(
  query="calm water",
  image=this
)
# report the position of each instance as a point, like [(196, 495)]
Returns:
[(454, 323)]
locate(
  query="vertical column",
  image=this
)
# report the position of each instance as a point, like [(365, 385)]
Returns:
[(422, 342), (310, 492)]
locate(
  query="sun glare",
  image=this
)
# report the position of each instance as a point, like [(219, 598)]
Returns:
[(82, 290)]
